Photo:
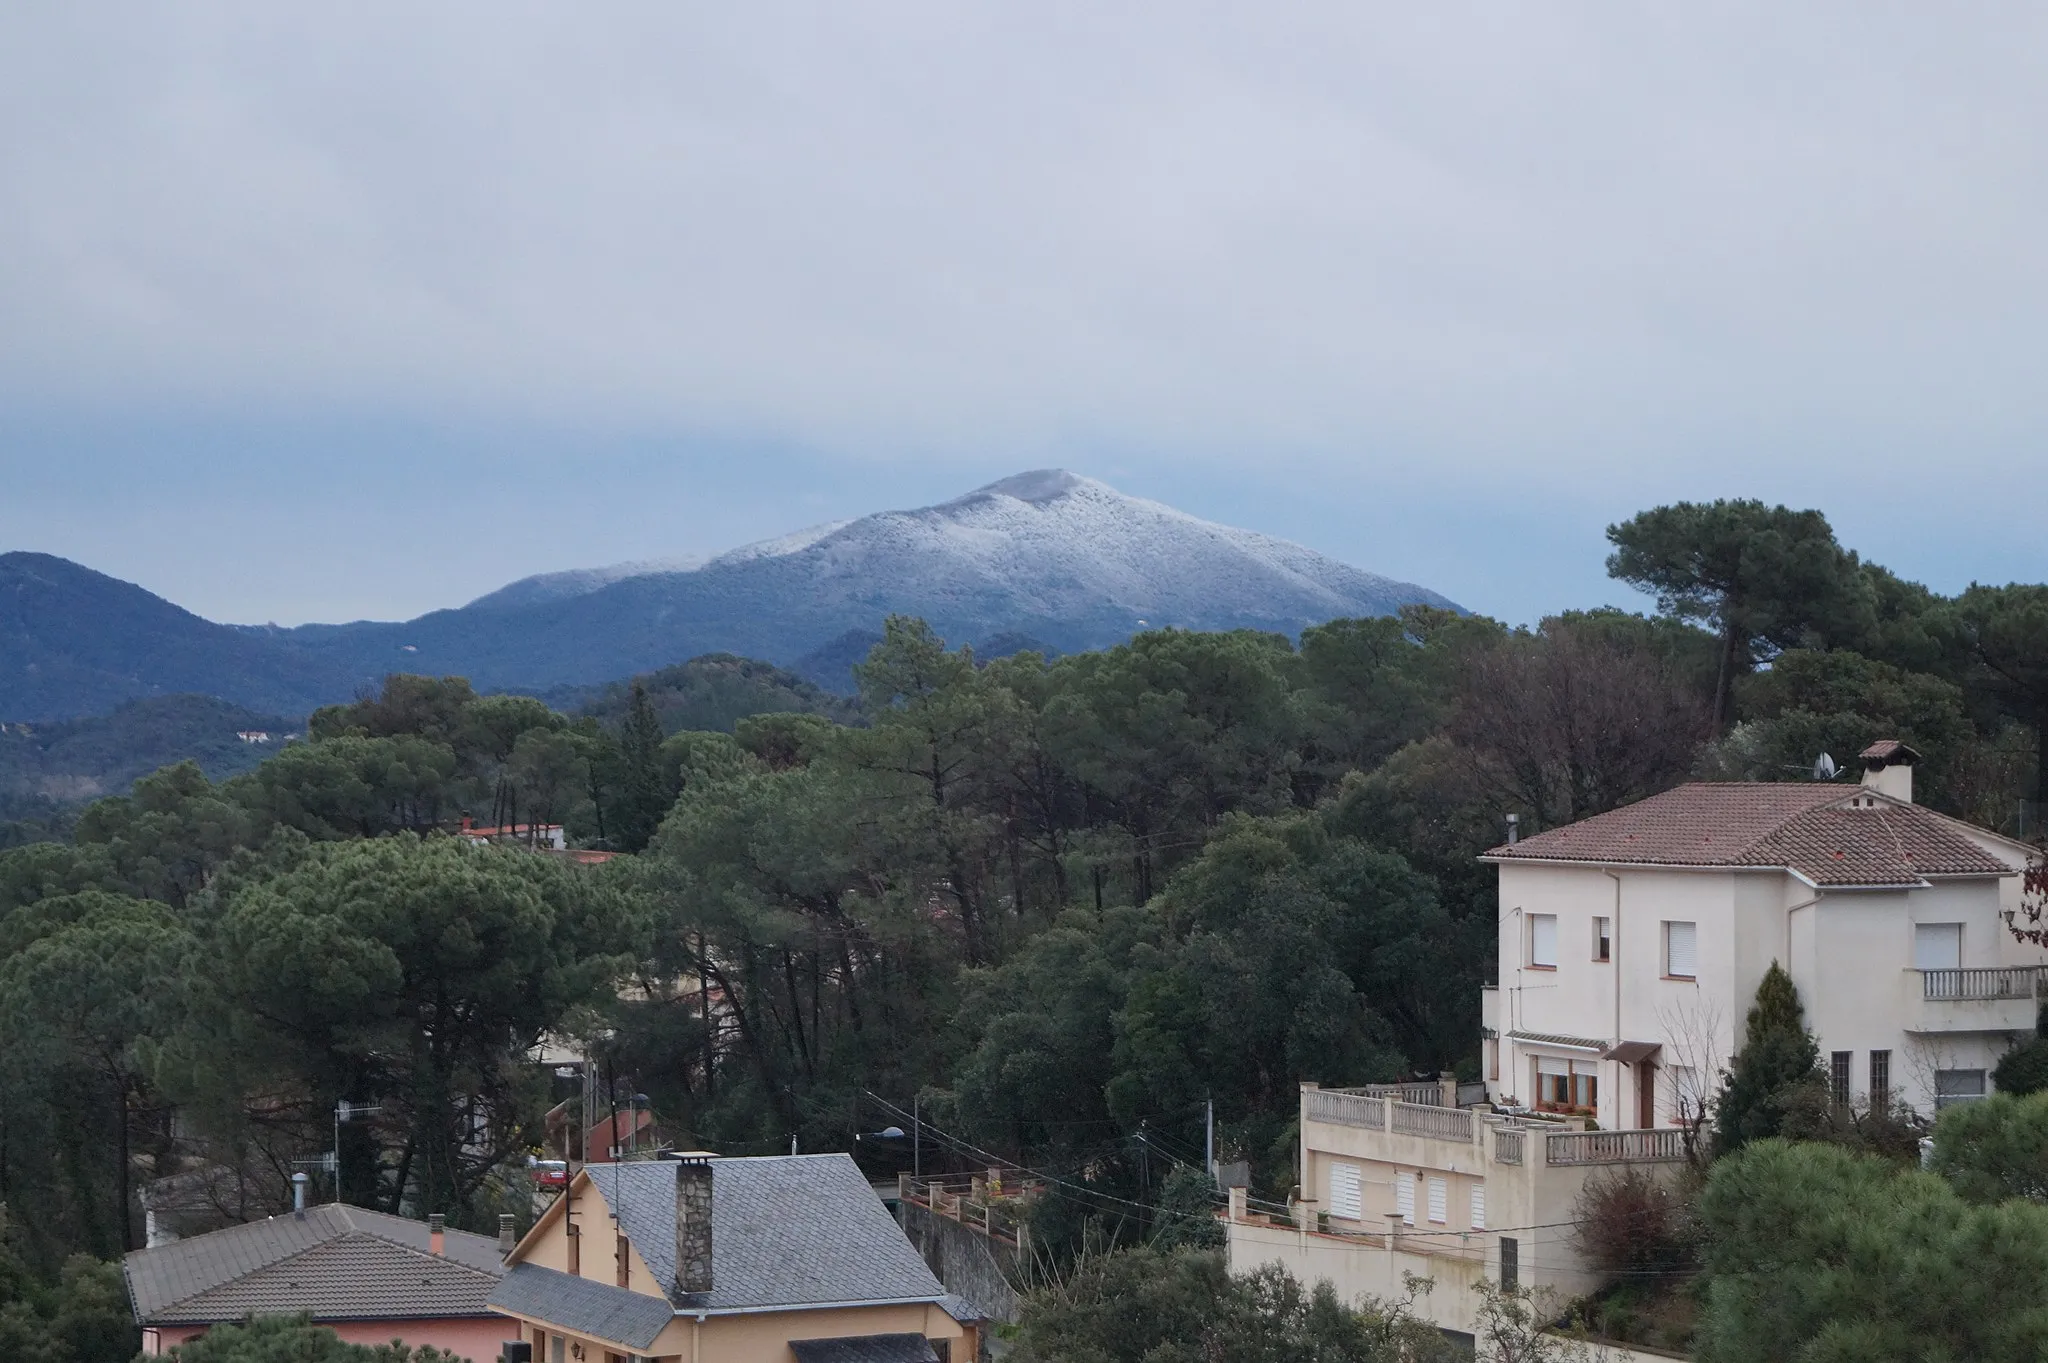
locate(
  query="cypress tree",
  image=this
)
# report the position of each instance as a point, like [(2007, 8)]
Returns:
[(1777, 1071), (643, 797)]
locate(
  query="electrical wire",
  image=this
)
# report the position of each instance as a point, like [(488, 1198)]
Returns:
[(1075, 1191)]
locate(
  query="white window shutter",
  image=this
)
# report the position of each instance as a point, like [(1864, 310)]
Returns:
[(1681, 941), (1479, 1206), (1345, 1200), (1439, 1202), (1937, 946), (1543, 939), (1404, 1197)]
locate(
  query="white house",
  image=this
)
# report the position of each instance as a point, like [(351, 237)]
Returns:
[(1632, 943), (1631, 947)]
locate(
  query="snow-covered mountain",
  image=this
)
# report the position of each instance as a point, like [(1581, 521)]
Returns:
[(1046, 555), (1043, 559), (1052, 546)]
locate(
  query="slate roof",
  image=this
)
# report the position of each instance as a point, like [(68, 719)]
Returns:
[(584, 1305), (336, 1262), (865, 1349), (786, 1231), (1832, 835)]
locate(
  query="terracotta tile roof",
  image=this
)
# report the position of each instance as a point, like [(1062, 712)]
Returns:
[(337, 1262), (1831, 834)]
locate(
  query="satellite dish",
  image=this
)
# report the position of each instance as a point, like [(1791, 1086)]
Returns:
[(1824, 768)]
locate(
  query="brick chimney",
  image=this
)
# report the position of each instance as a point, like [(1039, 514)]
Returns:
[(693, 1225), (437, 1236), (1888, 768)]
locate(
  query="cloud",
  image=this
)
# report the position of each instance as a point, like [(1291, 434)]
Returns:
[(1462, 245)]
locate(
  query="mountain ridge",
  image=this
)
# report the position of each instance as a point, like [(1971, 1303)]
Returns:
[(1047, 555)]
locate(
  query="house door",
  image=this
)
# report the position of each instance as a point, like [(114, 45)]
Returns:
[(1646, 1094)]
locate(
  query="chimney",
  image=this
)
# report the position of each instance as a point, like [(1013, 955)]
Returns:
[(508, 1238), (299, 1182), (437, 1237), (1514, 829), (1888, 769), (693, 1225)]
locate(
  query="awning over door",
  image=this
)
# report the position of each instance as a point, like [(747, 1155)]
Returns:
[(1633, 1052)]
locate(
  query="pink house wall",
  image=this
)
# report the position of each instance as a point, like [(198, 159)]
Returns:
[(476, 1338)]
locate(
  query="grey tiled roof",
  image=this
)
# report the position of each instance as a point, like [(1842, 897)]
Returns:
[(865, 1349), (586, 1306), (962, 1310), (336, 1262), (786, 1230)]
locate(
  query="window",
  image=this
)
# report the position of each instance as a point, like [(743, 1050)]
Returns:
[(1681, 950), (1345, 1200), (1404, 1197), (1543, 941), (558, 1349), (1567, 1085), (1687, 1101), (1603, 940), (1880, 1080), (1510, 1263), (1957, 1086), (1838, 1076), (1479, 1206), (1439, 1202), (1937, 946)]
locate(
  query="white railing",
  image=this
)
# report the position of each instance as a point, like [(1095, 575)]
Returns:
[(1995, 982), (1346, 1109), (1421, 1094), (1442, 1123), (1663, 1144), (1507, 1145)]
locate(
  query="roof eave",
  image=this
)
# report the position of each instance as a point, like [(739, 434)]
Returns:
[(695, 1312), (1597, 863)]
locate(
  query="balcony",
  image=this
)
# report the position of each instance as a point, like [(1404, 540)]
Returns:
[(1990, 999)]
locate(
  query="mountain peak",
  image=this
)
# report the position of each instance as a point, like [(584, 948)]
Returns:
[(1038, 485)]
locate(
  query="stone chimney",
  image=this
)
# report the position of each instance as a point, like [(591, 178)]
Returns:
[(1888, 768), (508, 1237), (437, 1236), (693, 1225)]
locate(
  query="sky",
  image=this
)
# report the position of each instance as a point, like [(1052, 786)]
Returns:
[(325, 312)]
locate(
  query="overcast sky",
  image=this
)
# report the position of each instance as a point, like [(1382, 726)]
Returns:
[(329, 311)]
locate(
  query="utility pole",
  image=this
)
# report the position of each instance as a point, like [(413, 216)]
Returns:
[(1209, 1137), (916, 1135)]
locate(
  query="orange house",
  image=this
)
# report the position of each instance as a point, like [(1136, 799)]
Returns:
[(786, 1259)]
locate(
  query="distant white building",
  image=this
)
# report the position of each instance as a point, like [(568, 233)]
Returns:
[(253, 735), (543, 835), (1632, 944)]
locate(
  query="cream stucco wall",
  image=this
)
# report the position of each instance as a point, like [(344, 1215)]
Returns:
[(1362, 1274)]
